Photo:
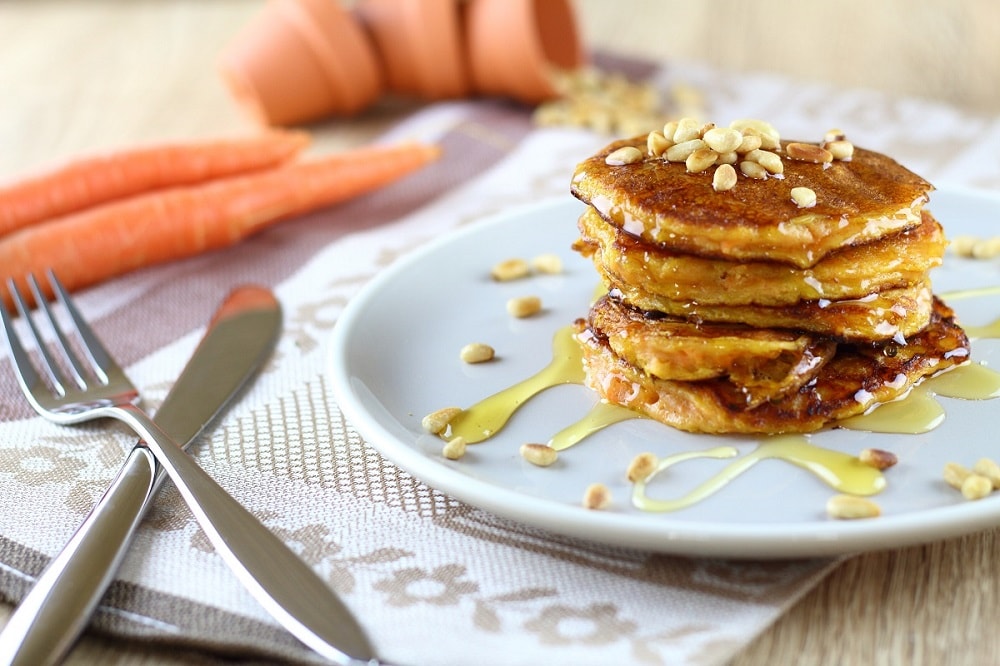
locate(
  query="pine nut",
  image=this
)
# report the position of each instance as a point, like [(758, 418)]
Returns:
[(687, 129), (679, 152), (769, 137), (624, 155), (436, 422), (851, 507), (963, 246), (539, 454), (597, 496), (454, 448), (641, 467), (510, 269), (477, 352), (549, 264), (723, 139), (753, 170), (955, 475), (976, 487), (834, 134), (807, 152), (657, 144), (751, 141), (700, 160), (732, 157), (524, 306), (878, 458), (803, 197), (770, 161), (840, 150), (988, 468), (724, 178)]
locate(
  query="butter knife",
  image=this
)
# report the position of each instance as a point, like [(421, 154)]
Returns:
[(43, 628)]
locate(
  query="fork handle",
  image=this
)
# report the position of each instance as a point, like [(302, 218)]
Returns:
[(276, 577), (57, 608)]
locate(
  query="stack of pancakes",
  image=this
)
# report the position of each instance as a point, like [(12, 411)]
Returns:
[(748, 308)]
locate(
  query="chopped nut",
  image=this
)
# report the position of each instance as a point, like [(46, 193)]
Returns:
[(878, 458), (851, 507), (723, 139), (988, 468), (679, 152), (841, 150), (510, 269), (624, 155), (641, 467), (436, 422), (454, 448), (524, 306), (724, 178), (597, 496), (700, 160), (753, 170), (955, 475), (803, 197), (550, 264), (657, 144), (539, 454), (976, 487), (807, 152), (477, 352)]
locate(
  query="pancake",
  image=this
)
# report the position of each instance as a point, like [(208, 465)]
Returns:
[(858, 376), (857, 201), (899, 260), (891, 314), (767, 363)]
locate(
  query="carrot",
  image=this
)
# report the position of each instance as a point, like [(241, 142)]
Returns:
[(97, 179), (110, 240)]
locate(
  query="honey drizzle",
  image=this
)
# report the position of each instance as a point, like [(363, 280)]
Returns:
[(602, 415), (841, 471), (485, 418), (915, 413)]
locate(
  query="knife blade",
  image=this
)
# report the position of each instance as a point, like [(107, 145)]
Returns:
[(237, 341)]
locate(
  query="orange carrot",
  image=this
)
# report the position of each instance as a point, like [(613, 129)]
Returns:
[(97, 179), (110, 240)]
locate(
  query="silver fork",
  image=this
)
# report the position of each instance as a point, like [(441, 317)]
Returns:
[(97, 387)]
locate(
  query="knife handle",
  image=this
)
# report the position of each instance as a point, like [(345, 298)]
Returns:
[(55, 611)]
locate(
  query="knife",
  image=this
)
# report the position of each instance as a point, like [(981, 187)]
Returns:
[(43, 628)]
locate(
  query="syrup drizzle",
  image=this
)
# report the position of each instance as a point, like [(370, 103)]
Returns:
[(915, 413), (843, 472)]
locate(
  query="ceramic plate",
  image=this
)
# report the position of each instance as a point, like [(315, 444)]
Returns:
[(394, 357)]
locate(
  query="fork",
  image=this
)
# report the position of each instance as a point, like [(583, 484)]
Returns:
[(97, 387)]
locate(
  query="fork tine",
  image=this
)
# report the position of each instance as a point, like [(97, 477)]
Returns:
[(76, 369), (24, 363), (101, 361), (25, 369)]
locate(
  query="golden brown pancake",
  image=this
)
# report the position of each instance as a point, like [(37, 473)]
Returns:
[(660, 202), (898, 260), (858, 376), (891, 314), (767, 363)]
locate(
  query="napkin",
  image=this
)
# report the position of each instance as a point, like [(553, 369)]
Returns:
[(432, 580)]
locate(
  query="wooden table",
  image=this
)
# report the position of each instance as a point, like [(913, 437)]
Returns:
[(78, 76)]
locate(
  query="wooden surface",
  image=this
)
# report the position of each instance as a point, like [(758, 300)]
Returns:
[(85, 74)]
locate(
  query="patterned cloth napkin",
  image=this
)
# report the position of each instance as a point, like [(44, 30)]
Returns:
[(433, 581)]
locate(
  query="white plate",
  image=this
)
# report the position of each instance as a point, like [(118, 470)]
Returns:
[(394, 358)]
